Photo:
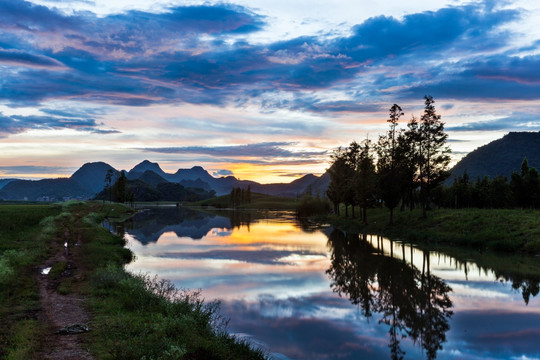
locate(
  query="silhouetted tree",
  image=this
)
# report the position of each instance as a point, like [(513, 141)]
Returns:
[(120, 190), (433, 153), (408, 144), (391, 163), (108, 181), (526, 186), (366, 178), (339, 178)]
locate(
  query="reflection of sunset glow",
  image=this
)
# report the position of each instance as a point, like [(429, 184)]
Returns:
[(293, 254), (272, 274)]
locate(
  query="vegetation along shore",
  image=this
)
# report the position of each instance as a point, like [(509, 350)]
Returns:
[(395, 183), (64, 294)]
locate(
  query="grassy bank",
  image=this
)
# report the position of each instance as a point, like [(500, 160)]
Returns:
[(258, 201), (25, 231), (499, 230), (132, 316)]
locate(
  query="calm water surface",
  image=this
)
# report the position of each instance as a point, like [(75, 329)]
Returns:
[(304, 293)]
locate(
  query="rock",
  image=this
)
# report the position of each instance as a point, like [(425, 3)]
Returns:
[(73, 329)]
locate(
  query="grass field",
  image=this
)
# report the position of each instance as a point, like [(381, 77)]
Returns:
[(24, 234), (133, 316), (506, 230)]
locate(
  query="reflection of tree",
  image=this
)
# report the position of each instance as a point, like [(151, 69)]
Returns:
[(528, 285), (148, 225), (413, 303), (353, 275), (240, 218), (521, 271)]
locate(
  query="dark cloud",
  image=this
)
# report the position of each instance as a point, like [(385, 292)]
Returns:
[(258, 150), (448, 29), (34, 169), (14, 57), (194, 54), (15, 124), (517, 121), (499, 77)]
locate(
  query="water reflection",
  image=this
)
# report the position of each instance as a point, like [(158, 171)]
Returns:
[(413, 303), (149, 225), (280, 284)]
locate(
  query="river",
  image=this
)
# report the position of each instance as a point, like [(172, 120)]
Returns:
[(304, 292)]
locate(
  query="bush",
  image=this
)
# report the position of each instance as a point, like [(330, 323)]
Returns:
[(108, 277)]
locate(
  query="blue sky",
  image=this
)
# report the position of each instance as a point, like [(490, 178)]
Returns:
[(257, 88)]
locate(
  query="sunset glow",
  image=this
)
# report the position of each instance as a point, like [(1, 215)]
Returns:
[(260, 90)]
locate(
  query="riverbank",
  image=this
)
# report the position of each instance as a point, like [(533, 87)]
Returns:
[(118, 315), (506, 230), (256, 202)]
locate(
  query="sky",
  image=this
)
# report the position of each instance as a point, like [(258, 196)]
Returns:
[(262, 90)]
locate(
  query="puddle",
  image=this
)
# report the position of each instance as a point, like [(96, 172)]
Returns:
[(46, 271)]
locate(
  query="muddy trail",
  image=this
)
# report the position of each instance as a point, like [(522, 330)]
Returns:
[(62, 309)]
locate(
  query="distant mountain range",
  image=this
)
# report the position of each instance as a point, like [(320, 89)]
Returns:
[(500, 157), (89, 180)]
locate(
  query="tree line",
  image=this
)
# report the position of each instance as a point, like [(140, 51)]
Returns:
[(240, 196), (522, 190), (403, 167)]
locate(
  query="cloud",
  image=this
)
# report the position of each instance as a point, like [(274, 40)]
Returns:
[(21, 58), (448, 29), (222, 172), (517, 121), (499, 77), (257, 150), (195, 54), (15, 124), (32, 169)]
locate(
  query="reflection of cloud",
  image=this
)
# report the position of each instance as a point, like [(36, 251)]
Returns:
[(288, 330), (497, 334), (273, 257)]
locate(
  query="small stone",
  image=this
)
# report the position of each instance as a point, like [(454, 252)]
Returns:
[(73, 329)]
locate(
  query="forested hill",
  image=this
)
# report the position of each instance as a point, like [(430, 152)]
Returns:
[(500, 157)]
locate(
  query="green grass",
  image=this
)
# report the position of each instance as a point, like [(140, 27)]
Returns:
[(25, 231), (138, 316), (133, 316), (505, 230), (258, 201)]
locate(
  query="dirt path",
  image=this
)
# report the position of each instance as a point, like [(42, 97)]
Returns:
[(60, 310)]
